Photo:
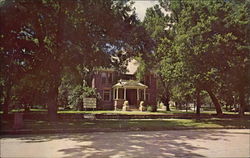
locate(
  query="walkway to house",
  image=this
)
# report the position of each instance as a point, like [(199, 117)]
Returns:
[(176, 143)]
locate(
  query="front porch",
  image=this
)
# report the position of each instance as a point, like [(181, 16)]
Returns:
[(129, 90)]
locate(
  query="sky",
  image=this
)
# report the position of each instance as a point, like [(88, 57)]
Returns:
[(142, 5)]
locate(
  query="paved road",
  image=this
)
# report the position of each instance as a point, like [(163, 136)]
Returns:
[(172, 143)]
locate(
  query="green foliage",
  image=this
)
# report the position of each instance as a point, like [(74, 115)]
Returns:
[(142, 69), (89, 92), (155, 22), (49, 47), (72, 91), (43, 38), (29, 92), (204, 46), (151, 108), (76, 97), (208, 43)]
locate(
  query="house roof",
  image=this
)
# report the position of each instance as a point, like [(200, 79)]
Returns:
[(132, 67), (130, 84)]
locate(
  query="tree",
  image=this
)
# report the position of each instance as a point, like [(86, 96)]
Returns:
[(16, 55), (206, 46), (59, 34), (155, 23), (238, 56)]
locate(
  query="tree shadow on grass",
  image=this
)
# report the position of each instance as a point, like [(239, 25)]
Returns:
[(235, 123)]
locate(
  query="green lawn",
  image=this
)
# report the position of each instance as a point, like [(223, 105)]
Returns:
[(133, 124), (173, 111), (146, 112), (114, 112)]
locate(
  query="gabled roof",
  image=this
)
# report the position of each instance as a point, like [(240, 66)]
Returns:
[(132, 67), (130, 84)]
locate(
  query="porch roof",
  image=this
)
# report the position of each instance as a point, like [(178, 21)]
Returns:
[(130, 84)]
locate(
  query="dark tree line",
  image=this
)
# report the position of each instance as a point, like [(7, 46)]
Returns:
[(42, 41)]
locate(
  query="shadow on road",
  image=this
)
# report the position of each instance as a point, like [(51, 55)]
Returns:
[(131, 144)]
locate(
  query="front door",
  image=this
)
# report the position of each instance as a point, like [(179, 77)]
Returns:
[(131, 97)]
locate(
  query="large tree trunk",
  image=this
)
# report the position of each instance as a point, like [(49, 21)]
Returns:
[(7, 99), (165, 100), (215, 102), (1, 95), (180, 105), (198, 102), (55, 81), (242, 102), (165, 97), (168, 106), (56, 68), (52, 104)]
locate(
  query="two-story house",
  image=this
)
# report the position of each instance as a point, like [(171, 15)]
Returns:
[(115, 88)]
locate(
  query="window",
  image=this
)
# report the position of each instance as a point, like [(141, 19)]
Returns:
[(106, 95), (104, 77), (110, 77)]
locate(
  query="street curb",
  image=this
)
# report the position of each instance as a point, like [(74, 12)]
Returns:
[(90, 130)]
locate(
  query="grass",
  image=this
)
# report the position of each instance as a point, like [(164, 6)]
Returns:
[(173, 111), (113, 112), (132, 124)]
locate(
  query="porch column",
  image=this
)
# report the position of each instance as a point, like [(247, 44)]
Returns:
[(124, 93), (138, 94), (144, 94), (113, 93), (117, 89)]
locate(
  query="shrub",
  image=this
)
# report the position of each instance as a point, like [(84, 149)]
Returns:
[(90, 92), (149, 108), (152, 108)]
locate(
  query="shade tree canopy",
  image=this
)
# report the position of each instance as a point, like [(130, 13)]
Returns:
[(43, 38), (200, 47)]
